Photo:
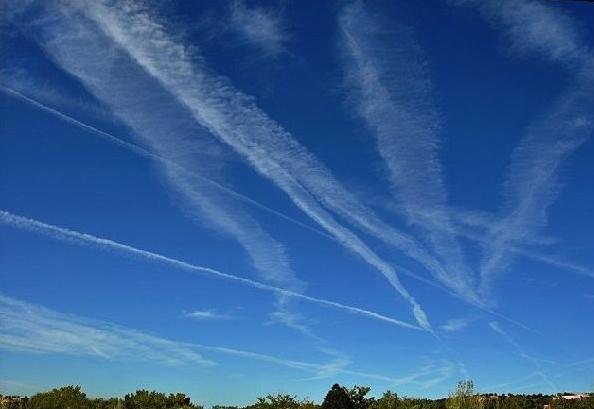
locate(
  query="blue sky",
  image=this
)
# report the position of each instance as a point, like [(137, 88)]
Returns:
[(237, 198)]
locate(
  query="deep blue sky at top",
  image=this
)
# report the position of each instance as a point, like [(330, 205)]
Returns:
[(492, 83)]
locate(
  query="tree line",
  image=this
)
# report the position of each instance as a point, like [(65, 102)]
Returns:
[(338, 397)]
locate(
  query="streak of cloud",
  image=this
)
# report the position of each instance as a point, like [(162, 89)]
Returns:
[(34, 329), (236, 121), (206, 315), (72, 236), (538, 370), (532, 184), (30, 328), (533, 27), (261, 27), (391, 90), (457, 324)]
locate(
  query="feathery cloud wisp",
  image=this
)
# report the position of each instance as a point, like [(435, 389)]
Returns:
[(495, 326), (233, 118), (206, 315), (392, 93), (30, 328), (67, 235), (457, 324), (531, 185), (261, 27), (533, 27)]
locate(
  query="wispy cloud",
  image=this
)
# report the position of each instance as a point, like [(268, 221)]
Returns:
[(457, 324), (234, 118), (392, 93), (429, 374), (30, 328), (171, 133), (138, 150), (533, 27), (532, 183), (206, 315), (72, 236), (538, 370), (261, 27)]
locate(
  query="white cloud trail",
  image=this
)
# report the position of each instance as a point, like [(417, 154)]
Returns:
[(531, 186), (461, 219), (392, 92), (29, 328), (234, 118), (532, 27), (476, 226), (457, 324), (532, 183), (72, 236), (259, 26), (145, 153), (495, 326), (150, 155)]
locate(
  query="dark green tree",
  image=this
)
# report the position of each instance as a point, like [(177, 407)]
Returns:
[(358, 396), (68, 397), (338, 398)]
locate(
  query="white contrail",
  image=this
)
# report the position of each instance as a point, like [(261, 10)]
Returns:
[(532, 184), (476, 226), (473, 219), (233, 118), (68, 235), (143, 152), (30, 328), (391, 93), (494, 325), (261, 27), (533, 28), (150, 155)]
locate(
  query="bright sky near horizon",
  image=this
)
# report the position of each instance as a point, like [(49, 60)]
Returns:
[(230, 199)]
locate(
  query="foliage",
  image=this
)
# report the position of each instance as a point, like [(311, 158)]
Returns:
[(464, 397), (281, 401), (388, 401), (358, 396), (338, 398), (143, 399), (68, 397)]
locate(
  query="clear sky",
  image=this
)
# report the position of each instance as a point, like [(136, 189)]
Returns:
[(238, 198)]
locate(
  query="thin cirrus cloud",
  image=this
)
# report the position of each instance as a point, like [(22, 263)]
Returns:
[(532, 27), (149, 111), (67, 235), (187, 151), (263, 28), (457, 324), (538, 370), (30, 328), (35, 329), (207, 315), (138, 150), (531, 185), (235, 120), (391, 92)]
